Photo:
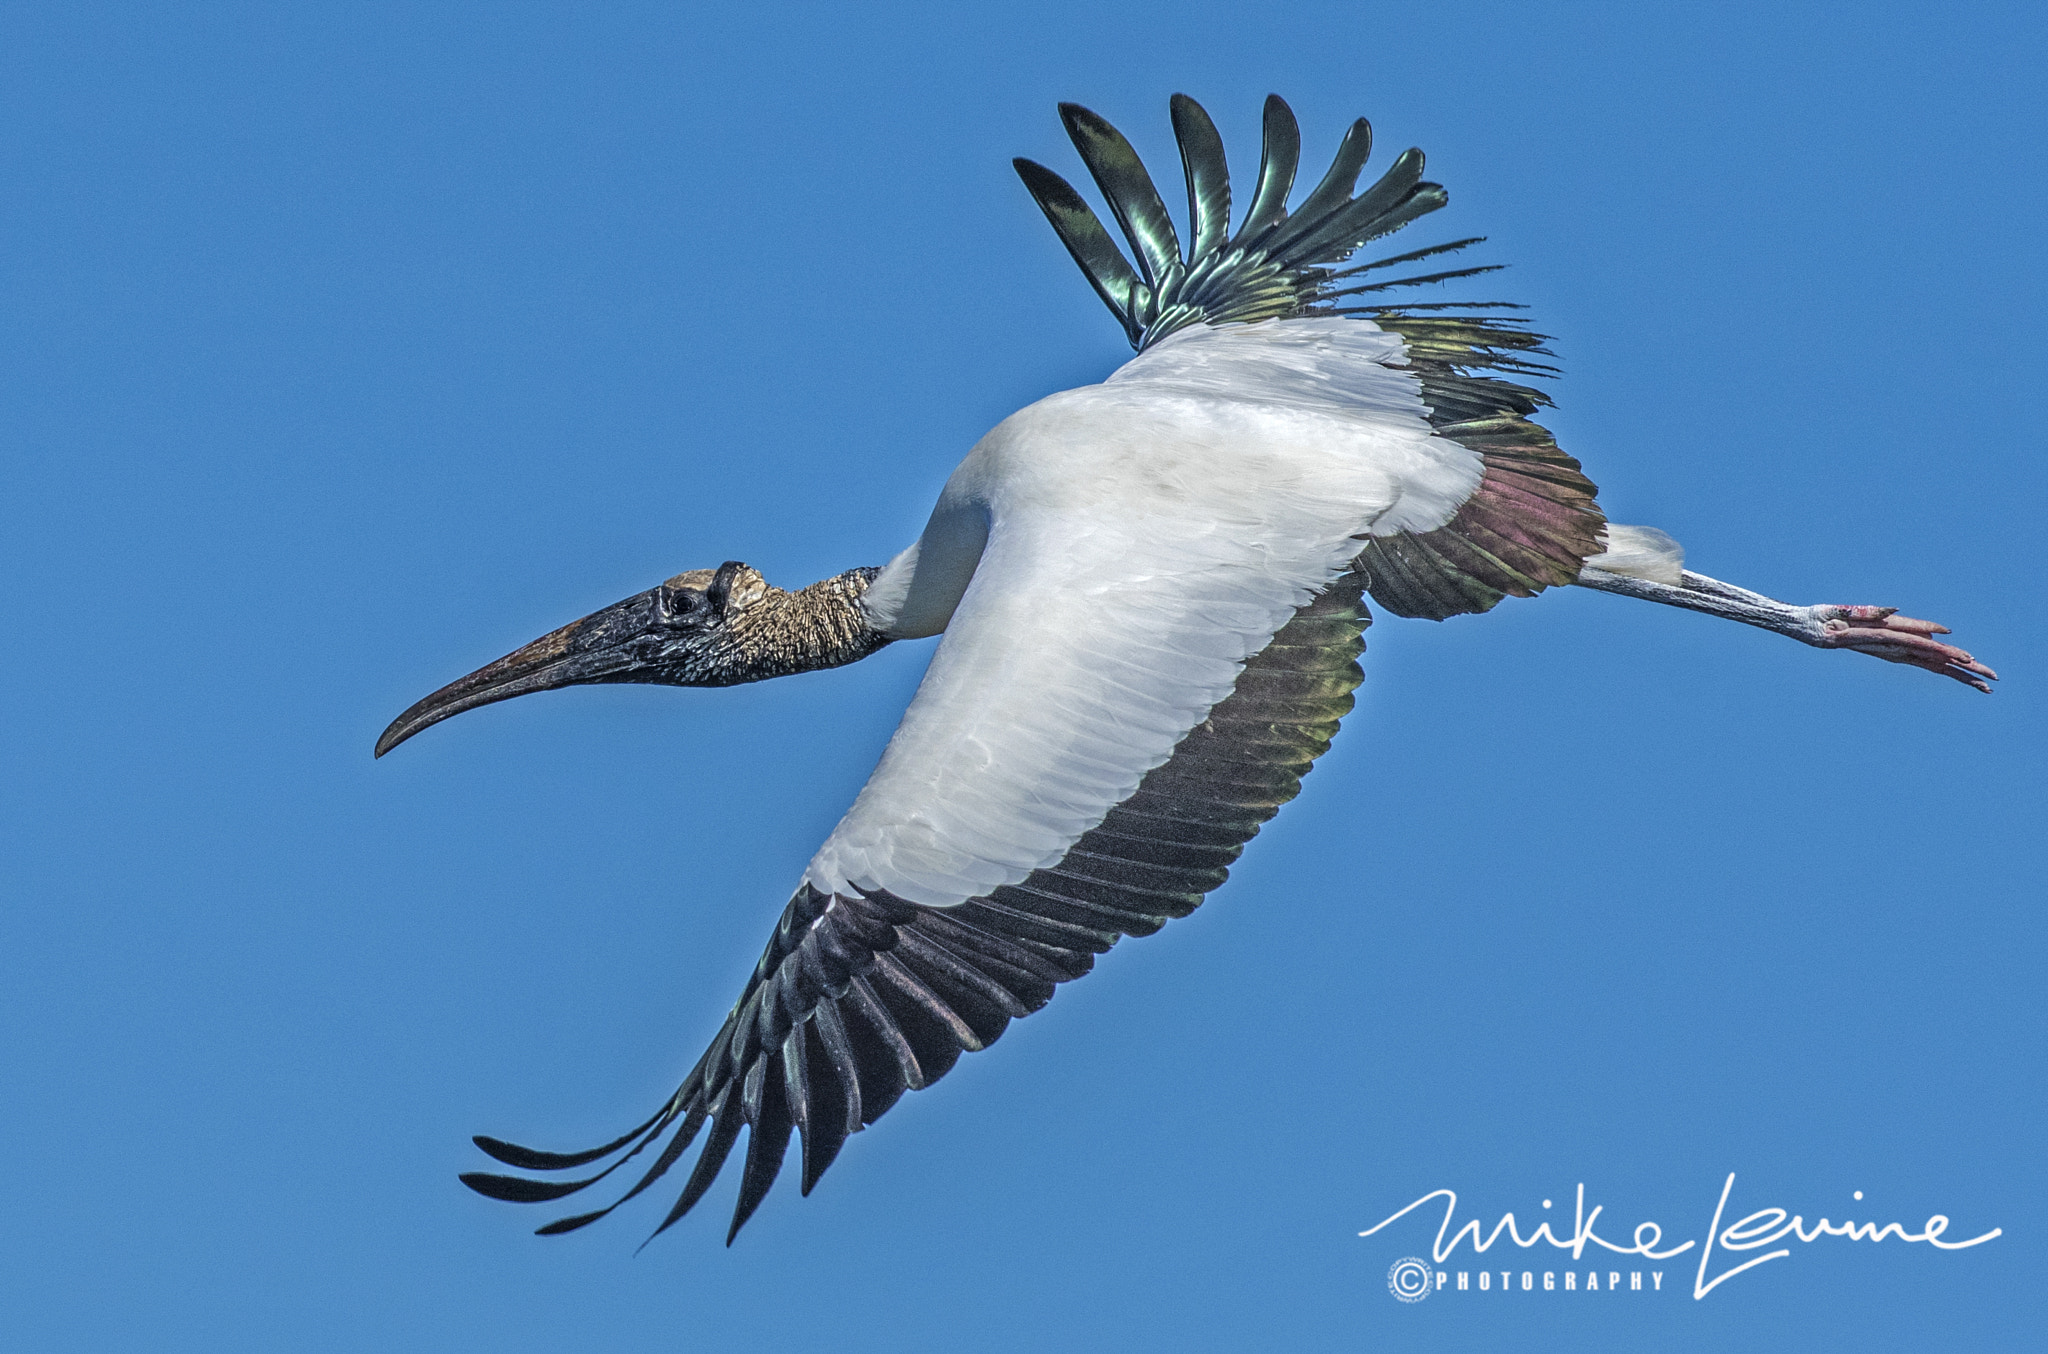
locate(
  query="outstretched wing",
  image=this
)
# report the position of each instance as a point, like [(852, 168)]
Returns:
[(1119, 704), (1532, 521), (861, 995)]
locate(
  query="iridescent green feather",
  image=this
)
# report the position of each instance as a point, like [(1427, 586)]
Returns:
[(1279, 157), (1121, 176), (1532, 520), (1207, 173), (1274, 267)]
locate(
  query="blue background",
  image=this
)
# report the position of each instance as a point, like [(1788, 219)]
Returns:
[(348, 348)]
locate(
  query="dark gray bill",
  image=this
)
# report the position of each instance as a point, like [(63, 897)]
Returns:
[(612, 645)]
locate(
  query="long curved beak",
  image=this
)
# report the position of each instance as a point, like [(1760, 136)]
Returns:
[(598, 648)]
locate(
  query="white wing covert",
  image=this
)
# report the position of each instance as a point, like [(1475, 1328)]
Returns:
[(1144, 537)]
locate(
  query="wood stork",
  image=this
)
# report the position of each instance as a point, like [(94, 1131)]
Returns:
[(1152, 595)]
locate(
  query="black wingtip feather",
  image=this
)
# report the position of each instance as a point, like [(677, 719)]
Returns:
[(561, 1226), (1279, 157), (1207, 173), (726, 1119), (1411, 256), (514, 1190), (768, 1119), (1278, 265), (767, 1145), (1335, 190), (1087, 240), (528, 1159), (1132, 196), (1420, 280)]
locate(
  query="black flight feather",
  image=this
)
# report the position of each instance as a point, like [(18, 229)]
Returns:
[(1207, 173), (1121, 176), (1082, 233), (1279, 156)]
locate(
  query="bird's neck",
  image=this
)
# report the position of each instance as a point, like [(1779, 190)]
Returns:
[(821, 626)]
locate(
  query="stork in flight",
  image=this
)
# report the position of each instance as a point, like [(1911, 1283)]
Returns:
[(1152, 595)]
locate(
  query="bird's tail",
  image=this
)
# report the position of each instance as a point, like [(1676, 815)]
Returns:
[(1639, 552)]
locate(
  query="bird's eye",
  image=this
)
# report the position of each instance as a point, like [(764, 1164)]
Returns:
[(682, 606)]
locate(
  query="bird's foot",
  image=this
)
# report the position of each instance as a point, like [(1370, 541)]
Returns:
[(1879, 631), (1882, 632)]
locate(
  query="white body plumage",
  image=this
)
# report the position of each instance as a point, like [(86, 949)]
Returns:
[(1103, 562)]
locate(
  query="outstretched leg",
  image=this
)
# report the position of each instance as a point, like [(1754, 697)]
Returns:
[(1876, 630)]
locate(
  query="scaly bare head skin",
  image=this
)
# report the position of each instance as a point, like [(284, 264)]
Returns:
[(704, 627)]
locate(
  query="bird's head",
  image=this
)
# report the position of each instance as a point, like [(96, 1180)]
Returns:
[(707, 627)]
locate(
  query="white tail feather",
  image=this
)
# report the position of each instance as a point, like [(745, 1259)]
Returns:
[(1640, 552)]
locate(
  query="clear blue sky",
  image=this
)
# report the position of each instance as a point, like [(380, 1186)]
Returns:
[(344, 348)]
